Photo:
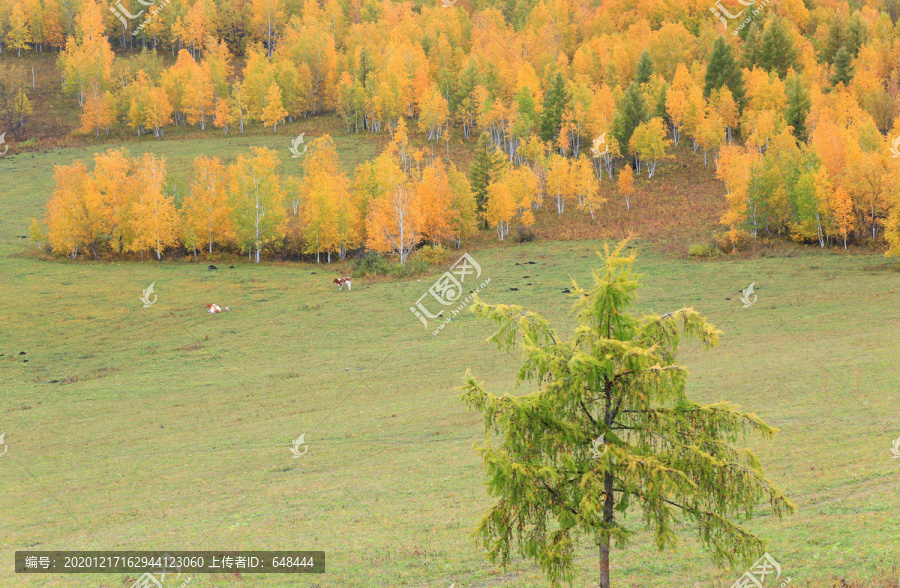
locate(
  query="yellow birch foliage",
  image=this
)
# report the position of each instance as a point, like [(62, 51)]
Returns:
[(154, 220), (328, 210), (523, 186), (223, 113), (435, 201), (257, 201), (205, 207), (625, 184), (392, 224), (98, 113), (735, 165), (500, 208), (19, 36), (65, 212), (465, 218), (117, 186), (274, 111)]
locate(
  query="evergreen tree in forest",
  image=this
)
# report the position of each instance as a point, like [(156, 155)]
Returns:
[(843, 70), (857, 34), (723, 70), (468, 79), (836, 38), (526, 116), (631, 111), (644, 69), (555, 101), (365, 66), (751, 48), (798, 106), (776, 50), (660, 108), (746, 33), (486, 165)]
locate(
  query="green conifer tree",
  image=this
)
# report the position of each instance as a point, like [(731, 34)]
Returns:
[(776, 50), (486, 164), (798, 106), (644, 68), (555, 101), (837, 38), (610, 432), (857, 34), (750, 50), (723, 70), (843, 69), (660, 108), (631, 111)]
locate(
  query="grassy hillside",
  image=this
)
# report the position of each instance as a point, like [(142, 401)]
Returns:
[(134, 428)]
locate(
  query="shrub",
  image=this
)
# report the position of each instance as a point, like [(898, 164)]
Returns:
[(702, 250), (373, 264), (370, 264), (735, 240), (436, 255), (524, 235)]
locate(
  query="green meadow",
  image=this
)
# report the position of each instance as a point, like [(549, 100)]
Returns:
[(132, 428)]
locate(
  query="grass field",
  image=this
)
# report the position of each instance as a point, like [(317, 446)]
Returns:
[(166, 428)]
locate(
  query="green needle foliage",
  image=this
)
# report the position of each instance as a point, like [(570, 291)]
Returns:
[(667, 460)]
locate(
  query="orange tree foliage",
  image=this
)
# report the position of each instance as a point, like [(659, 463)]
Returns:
[(378, 64)]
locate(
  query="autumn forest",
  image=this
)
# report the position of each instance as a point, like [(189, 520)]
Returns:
[(795, 107)]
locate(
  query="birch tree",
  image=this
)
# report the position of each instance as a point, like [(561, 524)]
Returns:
[(205, 207), (392, 224), (154, 219), (255, 197)]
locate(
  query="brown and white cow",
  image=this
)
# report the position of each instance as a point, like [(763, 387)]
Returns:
[(341, 281)]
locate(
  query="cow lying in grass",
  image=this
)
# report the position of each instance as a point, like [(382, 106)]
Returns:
[(341, 281), (215, 308)]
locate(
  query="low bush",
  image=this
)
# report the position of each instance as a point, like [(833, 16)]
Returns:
[(735, 240), (702, 250), (524, 235), (436, 255), (374, 264)]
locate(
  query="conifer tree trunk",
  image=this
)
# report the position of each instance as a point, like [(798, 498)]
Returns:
[(608, 496), (604, 536)]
